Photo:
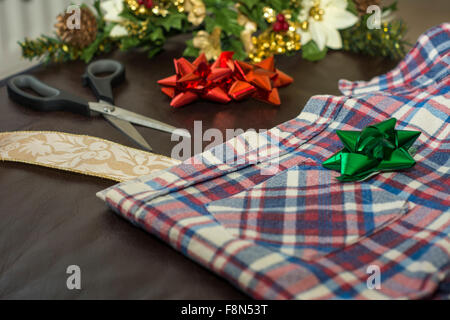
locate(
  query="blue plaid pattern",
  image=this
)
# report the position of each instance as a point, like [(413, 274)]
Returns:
[(306, 212), (299, 234)]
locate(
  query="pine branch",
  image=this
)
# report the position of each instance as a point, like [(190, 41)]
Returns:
[(389, 41)]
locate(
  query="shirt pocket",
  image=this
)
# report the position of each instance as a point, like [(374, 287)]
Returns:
[(304, 211)]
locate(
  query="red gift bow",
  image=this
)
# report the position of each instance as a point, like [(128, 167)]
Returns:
[(223, 80)]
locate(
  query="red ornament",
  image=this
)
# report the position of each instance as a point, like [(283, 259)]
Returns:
[(223, 80), (281, 24), (281, 17), (147, 3)]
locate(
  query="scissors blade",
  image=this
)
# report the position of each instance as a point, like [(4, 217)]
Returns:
[(129, 130), (136, 118)]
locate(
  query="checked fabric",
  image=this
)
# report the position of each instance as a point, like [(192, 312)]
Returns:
[(262, 212)]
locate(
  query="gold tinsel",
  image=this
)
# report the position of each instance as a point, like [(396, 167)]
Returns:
[(137, 29), (159, 8), (81, 37), (269, 14), (270, 42)]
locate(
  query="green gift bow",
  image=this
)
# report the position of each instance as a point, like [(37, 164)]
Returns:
[(375, 149)]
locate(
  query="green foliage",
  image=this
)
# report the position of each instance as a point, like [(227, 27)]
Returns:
[(311, 52), (385, 42), (190, 50), (157, 36), (150, 32), (279, 5), (128, 15), (254, 11), (351, 6), (126, 43), (153, 51), (90, 51), (392, 6), (102, 38), (233, 44), (98, 10), (222, 14), (250, 4), (173, 21)]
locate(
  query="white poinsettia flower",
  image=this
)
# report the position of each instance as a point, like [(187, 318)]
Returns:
[(118, 31), (320, 21), (112, 10)]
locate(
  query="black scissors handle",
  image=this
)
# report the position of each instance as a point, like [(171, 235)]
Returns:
[(49, 99), (102, 85)]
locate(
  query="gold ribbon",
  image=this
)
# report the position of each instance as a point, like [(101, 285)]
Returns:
[(80, 153)]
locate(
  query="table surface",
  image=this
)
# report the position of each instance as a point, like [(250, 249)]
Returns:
[(52, 219)]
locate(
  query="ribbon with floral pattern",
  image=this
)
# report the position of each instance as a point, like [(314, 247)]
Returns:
[(81, 154)]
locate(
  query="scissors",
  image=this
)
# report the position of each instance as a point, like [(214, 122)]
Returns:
[(52, 99)]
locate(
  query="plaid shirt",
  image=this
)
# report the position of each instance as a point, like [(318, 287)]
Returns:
[(298, 233)]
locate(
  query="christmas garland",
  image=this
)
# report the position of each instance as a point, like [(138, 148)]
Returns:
[(252, 29)]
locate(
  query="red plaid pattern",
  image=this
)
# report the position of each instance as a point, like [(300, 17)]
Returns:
[(298, 233), (306, 212)]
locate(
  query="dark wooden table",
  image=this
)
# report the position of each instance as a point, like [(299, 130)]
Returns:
[(51, 219)]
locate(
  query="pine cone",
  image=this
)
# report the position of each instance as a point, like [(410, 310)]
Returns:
[(77, 37), (362, 5)]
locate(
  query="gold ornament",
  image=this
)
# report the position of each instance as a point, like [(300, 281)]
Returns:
[(137, 8), (209, 44), (269, 14), (159, 8), (270, 42), (196, 11), (137, 29), (316, 12), (179, 4), (304, 25), (295, 3)]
